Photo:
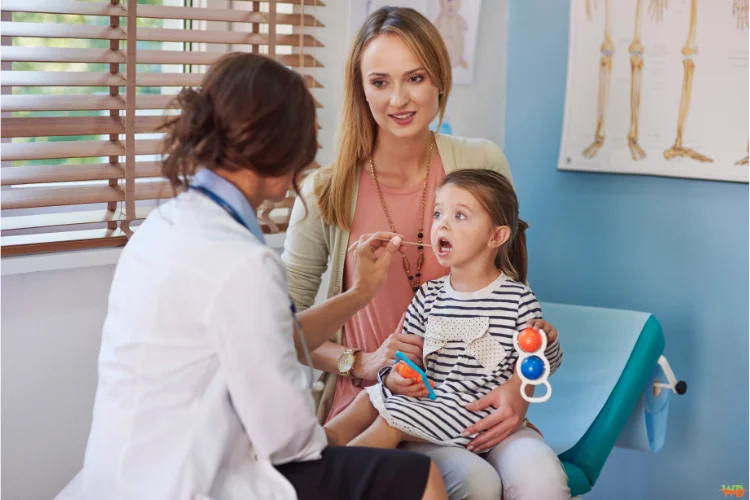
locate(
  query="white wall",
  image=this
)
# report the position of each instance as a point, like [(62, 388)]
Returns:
[(52, 318), (478, 110), (51, 328)]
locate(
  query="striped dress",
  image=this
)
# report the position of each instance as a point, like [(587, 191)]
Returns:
[(468, 351)]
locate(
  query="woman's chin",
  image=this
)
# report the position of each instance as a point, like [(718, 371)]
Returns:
[(406, 131)]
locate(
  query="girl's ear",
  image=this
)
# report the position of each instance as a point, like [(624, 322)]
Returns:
[(500, 235)]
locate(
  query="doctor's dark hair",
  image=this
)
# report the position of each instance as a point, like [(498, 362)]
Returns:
[(249, 113), (496, 195)]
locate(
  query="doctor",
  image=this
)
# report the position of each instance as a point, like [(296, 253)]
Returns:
[(201, 393)]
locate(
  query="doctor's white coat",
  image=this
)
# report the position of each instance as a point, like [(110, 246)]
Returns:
[(200, 392)]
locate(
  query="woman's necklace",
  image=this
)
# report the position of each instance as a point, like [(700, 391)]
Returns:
[(414, 279)]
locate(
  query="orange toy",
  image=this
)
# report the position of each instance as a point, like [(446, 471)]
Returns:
[(407, 371), (530, 340)]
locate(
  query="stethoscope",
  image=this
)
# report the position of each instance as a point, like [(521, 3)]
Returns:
[(314, 386)]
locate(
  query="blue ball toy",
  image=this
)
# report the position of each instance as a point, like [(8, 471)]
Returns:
[(532, 367)]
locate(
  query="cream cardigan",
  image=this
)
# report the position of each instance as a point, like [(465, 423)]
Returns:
[(310, 243)]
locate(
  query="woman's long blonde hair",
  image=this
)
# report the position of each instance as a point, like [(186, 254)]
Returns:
[(357, 128)]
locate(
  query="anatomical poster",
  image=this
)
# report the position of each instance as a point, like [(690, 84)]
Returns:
[(658, 87), (456, 20)]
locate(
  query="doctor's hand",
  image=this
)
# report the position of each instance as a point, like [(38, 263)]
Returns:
[(372, 255), (510, 410)]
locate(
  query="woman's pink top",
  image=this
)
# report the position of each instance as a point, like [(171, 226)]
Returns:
[(375, 322)]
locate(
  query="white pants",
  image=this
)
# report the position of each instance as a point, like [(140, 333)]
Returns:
[(521, 467)]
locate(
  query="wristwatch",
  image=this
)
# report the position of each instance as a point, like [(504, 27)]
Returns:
[(346, 364)]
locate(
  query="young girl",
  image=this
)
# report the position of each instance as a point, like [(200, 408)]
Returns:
[(467, 321)]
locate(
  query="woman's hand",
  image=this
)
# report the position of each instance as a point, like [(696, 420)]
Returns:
[(540, 324), (406, 386), (372, 259), (510, 410), (370, 363)]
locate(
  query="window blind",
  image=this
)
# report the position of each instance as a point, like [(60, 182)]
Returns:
[(84, 97)]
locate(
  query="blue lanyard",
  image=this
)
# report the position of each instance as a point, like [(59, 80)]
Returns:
[(222, 203)]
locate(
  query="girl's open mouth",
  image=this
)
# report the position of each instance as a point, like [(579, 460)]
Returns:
[(444, 246)]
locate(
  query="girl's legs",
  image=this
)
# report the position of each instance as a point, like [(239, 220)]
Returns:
[(379, 435), (529, 468), (351, 422)]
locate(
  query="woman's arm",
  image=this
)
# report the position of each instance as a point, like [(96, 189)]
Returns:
[(510, 410), (306, 251), (368, 364)]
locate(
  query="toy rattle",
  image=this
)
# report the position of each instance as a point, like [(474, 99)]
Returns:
[(532, 366), (407, 369)]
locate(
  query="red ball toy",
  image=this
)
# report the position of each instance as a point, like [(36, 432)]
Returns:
[(530, 340)]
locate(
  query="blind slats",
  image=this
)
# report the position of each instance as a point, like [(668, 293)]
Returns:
[(56, 55), (91, 79), (155, 12), (39, 54), (78, 218), (85, 102), (83, 31), (50, 155), (79, 195), (64, 7), (62, 196), (312, 3), (64, 219), (62, 241), (83, 125), (224, 15), (63, 79), (75, 149), (41, 174), (80, 102)]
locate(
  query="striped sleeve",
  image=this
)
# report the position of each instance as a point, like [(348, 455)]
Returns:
[(415, 314), (382, 375), (528, 308)]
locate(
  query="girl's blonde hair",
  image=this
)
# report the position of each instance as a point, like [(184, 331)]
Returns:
[(357, 128)]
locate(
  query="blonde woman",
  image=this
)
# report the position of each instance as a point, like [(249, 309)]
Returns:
[(389, 166)]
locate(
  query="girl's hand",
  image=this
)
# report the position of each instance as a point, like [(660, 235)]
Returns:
[(540, 324), (406, 386)]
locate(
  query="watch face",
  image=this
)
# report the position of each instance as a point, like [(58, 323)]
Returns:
[(346, 362)]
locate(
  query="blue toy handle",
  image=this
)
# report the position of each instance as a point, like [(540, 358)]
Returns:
[(430, 393)]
